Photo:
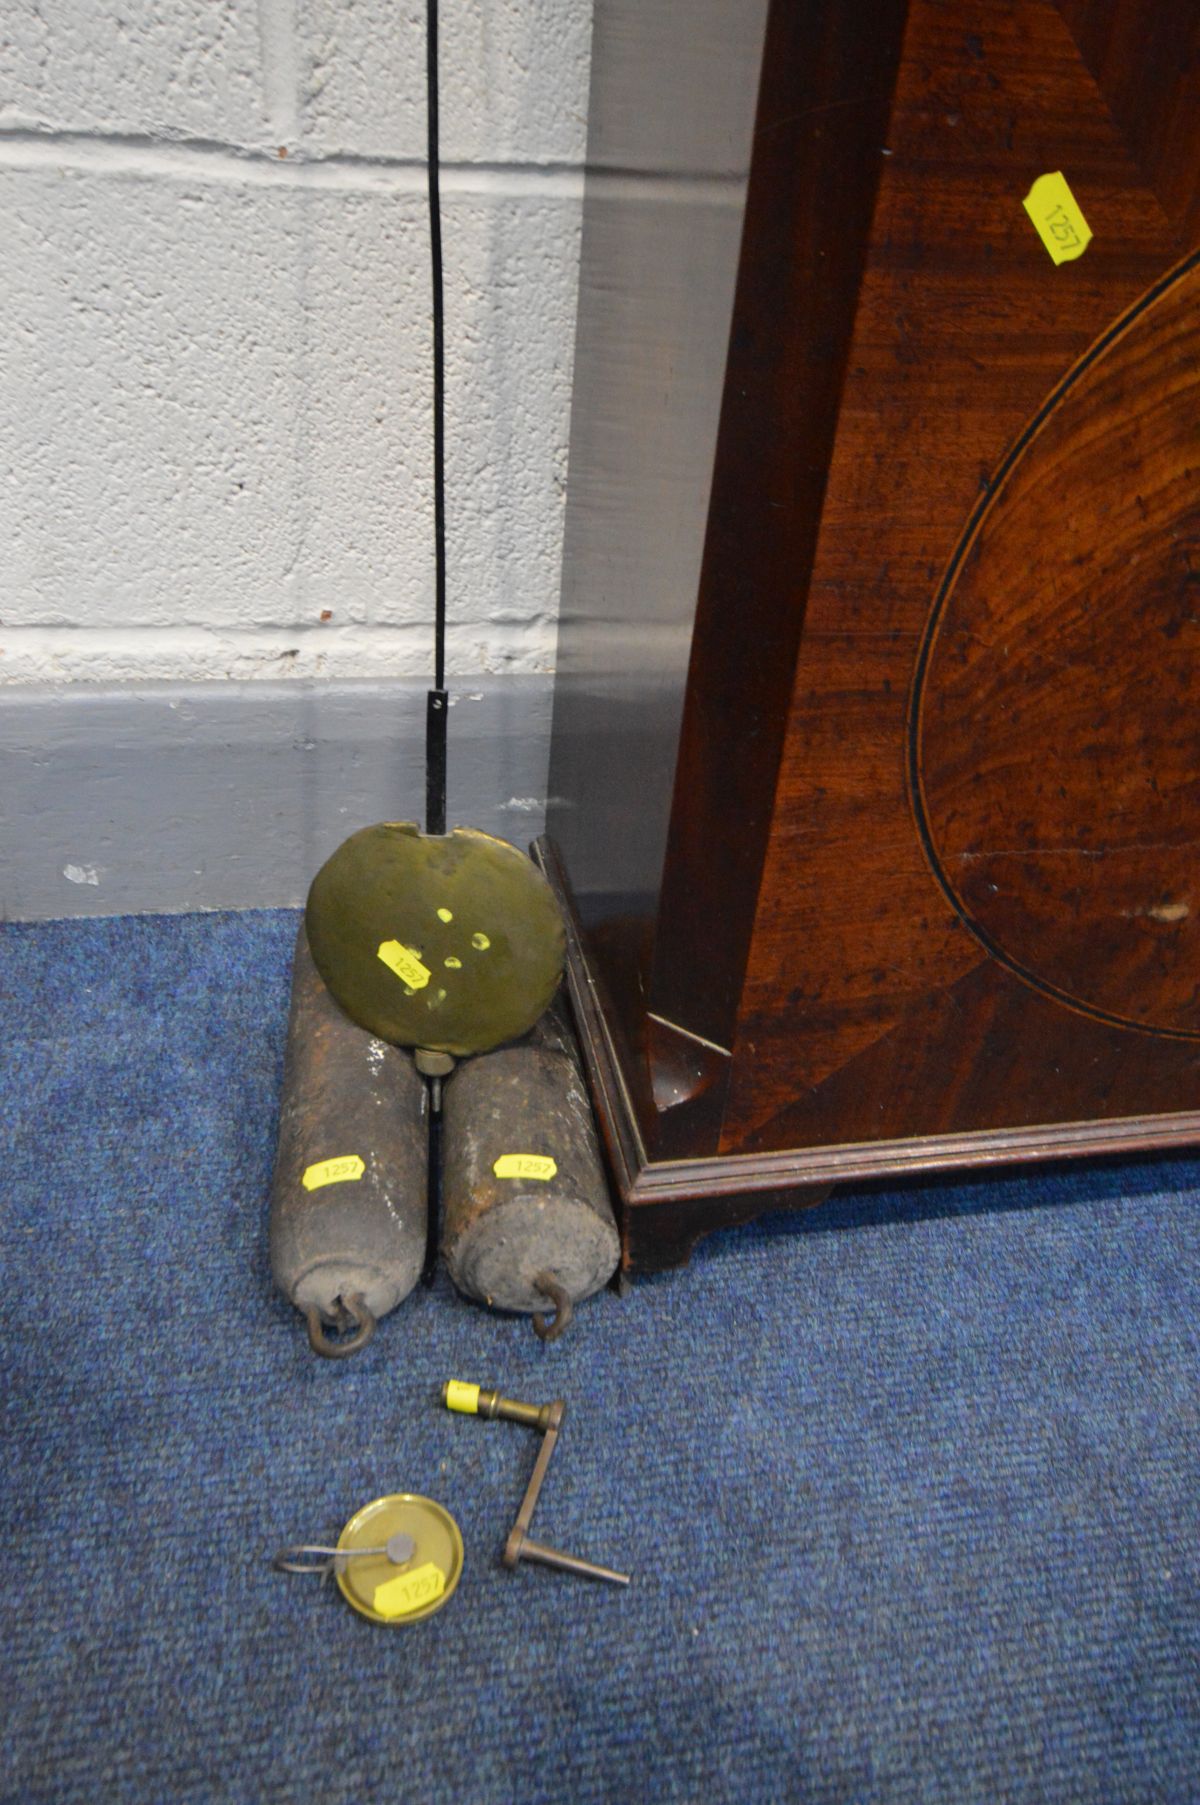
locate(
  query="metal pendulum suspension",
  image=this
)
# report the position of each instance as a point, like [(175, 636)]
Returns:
[(437, 705), (452, 944), (448, 944), (436, 1066)]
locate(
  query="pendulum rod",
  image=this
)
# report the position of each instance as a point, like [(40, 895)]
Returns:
[(436, 704)]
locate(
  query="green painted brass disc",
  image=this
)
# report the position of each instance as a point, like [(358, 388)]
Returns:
[(447, 941)]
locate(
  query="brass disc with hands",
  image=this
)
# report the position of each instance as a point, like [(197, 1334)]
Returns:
[(410, 1558), (452, 942)]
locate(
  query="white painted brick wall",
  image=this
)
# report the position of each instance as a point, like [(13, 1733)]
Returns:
[(214, 357)]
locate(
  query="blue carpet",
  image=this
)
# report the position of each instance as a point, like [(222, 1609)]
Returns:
[(908, 1486)]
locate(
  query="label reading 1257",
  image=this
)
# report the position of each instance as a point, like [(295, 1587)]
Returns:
[(404, 962), (525, 1165), (347, 1168), (1058, 217), (408, 1592)]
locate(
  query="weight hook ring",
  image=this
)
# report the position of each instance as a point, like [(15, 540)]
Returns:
[(318, 1340), (564, 1309)]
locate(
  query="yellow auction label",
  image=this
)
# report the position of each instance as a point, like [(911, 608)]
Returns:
[(525, 1165), (1057, 217), (404, 962), (409, 1592), (462, 1397), (344, 1170)]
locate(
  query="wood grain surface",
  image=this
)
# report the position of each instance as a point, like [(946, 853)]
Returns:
[(1056, 734), (828, 73), (861, 961)]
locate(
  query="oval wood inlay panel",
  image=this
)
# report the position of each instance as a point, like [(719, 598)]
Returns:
[(1055, 745)]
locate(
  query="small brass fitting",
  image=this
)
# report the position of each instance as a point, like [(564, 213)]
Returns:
[(472, 1400)]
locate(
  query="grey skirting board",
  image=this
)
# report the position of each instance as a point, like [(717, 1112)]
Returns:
[(220, 795)]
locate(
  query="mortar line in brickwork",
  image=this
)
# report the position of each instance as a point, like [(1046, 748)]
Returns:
[(198, 160), (261, 632), (152, 654)]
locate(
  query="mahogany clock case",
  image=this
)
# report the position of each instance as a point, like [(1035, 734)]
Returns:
[(880, 817)]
